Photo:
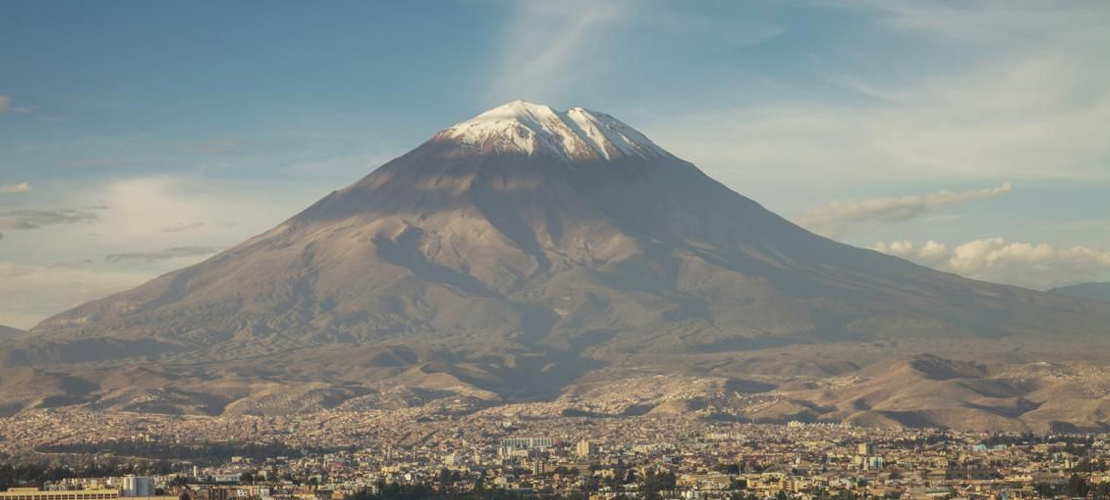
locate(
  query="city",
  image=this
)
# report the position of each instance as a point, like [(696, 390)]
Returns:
[(345, 455)]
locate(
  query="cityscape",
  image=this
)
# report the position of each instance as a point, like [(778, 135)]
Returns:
[(492, 455), (555, 250)]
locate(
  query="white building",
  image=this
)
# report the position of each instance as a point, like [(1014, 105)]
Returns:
[(134, 486)]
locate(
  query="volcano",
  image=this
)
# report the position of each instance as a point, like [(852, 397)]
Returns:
[(526, 251)]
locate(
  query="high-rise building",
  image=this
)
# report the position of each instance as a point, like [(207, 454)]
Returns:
[(136, 486), (586, 448)]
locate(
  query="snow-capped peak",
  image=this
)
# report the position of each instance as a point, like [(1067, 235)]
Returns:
[(531, 128)]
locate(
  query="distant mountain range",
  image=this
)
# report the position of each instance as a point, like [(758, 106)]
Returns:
[(7, 332), (1095, 291), (527, 254)]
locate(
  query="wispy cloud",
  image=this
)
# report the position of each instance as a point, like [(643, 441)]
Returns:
[(5, 103), (181, 227), (996, 91), (33, 219), (546, 46), (22, 187), (156, 255), (841, 217)]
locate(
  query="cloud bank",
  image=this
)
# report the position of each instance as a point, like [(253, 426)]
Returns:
[(1040, 265)]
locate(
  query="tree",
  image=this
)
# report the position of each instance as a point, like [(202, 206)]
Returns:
[(1102, 491), (1076, 487), (446, 480)]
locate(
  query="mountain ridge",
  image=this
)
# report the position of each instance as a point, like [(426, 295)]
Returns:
[(7, 332), (1093, 291)]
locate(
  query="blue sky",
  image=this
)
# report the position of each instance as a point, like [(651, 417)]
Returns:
[(138, 137)]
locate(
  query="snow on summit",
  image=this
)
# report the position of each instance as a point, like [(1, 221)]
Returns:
[(525, 127)]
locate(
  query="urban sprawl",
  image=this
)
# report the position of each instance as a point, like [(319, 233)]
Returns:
[(494, 454)]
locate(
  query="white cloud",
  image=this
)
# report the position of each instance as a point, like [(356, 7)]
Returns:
[(899, 248), (23, 187), (5, 103), (215, 214), (993, 259), (838, 218), (932, 252)]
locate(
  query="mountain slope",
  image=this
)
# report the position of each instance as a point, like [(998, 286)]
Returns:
[(1094, 291), (7, 332), (525, 249)]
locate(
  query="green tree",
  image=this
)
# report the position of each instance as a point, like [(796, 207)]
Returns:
[(1076, 487)]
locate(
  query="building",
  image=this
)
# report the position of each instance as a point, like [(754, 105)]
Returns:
[(527, 443), (134, 486), (586, 448), (37, 494)]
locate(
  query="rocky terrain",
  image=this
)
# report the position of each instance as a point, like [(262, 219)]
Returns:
[(530, 256)]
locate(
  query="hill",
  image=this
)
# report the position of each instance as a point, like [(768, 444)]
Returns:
[(7, 332), (1093, 291)]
